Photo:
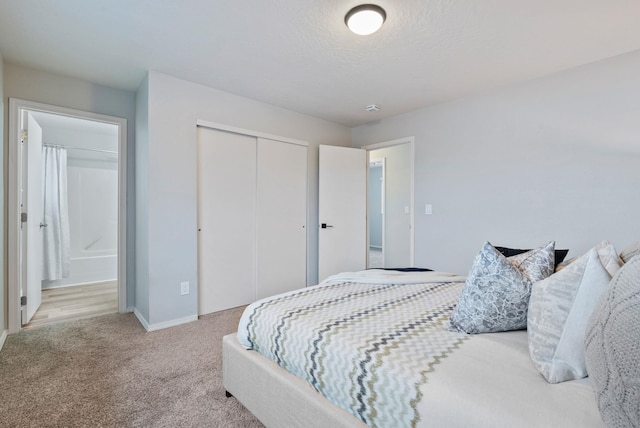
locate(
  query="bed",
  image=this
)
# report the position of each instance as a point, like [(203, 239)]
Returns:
[(374, 348)]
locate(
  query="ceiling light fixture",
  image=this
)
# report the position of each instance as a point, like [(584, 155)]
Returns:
[(365, 19)]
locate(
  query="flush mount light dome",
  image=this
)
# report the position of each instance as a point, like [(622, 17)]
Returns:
[(365, 19)]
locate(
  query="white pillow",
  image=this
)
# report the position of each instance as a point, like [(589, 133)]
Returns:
[(609, 257), (559, 309), (631, 251)]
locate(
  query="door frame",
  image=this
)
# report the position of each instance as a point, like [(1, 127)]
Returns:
[(13, 200), (385, 144)]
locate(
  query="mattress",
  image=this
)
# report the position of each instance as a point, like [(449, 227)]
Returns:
[(377, 345)]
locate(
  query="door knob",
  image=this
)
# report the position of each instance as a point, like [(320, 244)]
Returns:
[(42, 225), (325, 226)]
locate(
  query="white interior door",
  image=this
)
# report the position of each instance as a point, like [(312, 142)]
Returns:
[(226, 220), (32, 230), (342, 206), (281, 240)]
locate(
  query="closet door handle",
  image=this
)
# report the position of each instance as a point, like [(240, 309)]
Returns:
[(325, 226), (42, 225)]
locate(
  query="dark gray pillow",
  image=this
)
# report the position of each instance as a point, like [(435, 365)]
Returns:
[(612, 348), (560, 255)]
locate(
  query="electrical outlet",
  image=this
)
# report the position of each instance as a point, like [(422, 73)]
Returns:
[(184, 288)]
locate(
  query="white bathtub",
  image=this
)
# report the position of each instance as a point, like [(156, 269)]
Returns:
[(86, 270)]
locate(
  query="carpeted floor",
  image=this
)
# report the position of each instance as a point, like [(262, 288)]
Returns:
[(109, 372)]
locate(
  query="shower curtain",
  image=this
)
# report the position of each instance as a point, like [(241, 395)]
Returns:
[(56, 260)]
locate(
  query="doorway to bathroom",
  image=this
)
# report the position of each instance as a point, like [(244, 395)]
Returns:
[(390, 204), (68, 258), (375, 215)]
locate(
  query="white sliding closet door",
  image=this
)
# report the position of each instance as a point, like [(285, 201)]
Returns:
[(281, 217), (226, 220)]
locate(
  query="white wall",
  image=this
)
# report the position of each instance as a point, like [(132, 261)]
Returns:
[(556, 158), (168, 164), (3, 282), (34, 85), (93, 222)]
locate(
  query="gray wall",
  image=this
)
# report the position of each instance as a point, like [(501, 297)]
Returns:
[(556, 158), (33, 85), (552, 159), (174, 106), (142, 200)]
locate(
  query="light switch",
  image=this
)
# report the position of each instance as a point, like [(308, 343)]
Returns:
[(428, 209), (406, 210)]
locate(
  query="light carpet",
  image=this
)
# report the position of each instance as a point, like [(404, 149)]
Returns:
[(109, 372)]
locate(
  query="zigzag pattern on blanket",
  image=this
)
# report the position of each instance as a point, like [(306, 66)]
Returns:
[(367, 348)]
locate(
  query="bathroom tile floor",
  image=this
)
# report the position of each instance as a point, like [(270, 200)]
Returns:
[(76, 302), (375, 258)]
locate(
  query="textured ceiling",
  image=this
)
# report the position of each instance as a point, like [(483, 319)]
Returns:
[(299, 55)]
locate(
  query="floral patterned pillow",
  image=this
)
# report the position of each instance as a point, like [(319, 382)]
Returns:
[(497, 290)]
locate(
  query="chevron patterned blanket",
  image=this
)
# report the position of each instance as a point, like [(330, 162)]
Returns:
[(367, 345)]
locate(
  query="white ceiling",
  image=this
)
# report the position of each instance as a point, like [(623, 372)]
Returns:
[(299, 55), (75, 124), (92, 146)]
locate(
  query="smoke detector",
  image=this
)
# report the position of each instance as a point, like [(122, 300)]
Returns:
[(372, 108)]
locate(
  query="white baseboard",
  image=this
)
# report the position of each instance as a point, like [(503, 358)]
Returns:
[(143, 321), (3, 337), (165, 324)]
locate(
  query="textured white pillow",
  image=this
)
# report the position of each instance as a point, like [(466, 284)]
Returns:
[(559, 309), (613, 348)]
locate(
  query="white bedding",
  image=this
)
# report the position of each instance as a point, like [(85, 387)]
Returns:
[(491, 382), (381, 276), (458, 380)]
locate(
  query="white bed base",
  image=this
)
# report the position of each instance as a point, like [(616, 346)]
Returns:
[(276, 397)]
